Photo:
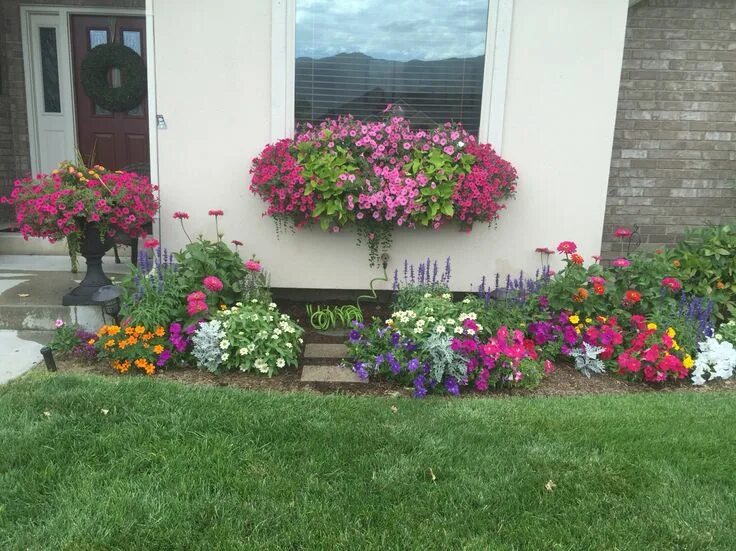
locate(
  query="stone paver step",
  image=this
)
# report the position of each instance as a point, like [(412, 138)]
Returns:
[(329, 374), (324, 350)]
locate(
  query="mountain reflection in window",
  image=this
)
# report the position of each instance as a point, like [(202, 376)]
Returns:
[(424, 57)]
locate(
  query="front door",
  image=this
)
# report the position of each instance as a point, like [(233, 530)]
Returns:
[(116, 140)]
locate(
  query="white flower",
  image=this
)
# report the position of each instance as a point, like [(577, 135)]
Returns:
[(458, 330), (716, 360), (418, 330), (471, 332), (289, 345), (719, 337), (224, 343), (277, 331), (466, 301), (274, 337), (251, 347), (446, 296), (420, 323), (301, 340), (450, 321), (439, 329), (254, 300), (280, 362), (225, 356), (243, 351), (427, 295), (261, 365), (431, 319), (239, 304), (461, 144), (226, 324), (284, 317), (272, 306)]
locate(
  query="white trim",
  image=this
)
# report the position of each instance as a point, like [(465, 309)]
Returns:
[(498, 46), (66, 71), (152, 105), (283, 61)]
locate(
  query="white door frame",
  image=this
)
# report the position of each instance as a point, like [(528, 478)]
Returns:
[(33, 16)]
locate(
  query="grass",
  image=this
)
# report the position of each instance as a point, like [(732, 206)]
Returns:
[(178, 467)]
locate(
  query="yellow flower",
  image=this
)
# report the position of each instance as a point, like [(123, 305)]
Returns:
[(223, 307), (588, 320), (110, 343), (651, 325), (113, 330), (159, 332), (577, 329), (671, 332), (574, 319), (91, 342), (139, 329), (688, 362)]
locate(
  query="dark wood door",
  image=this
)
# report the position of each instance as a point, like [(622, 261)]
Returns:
[(115, 140)]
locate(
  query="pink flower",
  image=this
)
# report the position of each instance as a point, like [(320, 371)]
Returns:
[(672, 283), (237, 243), (544, 250), (622, 232), (253, 265), (212, 283), (181, 215), (621, 263), (215, 212), (567, 247), (195, 307), (150, 243), (196, 296)]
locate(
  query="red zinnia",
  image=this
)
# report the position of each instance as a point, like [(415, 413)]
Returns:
[(622, 232), (212, 283), (181, 215), (599, 289), (150, 243), (216, 212), (567, 247), (632, 297), (576, 259), (672, 283)]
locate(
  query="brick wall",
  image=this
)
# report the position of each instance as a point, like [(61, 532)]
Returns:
[(673, 163), (14, 150)]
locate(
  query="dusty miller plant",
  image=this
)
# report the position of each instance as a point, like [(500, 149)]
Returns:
[(443, 360), (207, 349), (586, 359)]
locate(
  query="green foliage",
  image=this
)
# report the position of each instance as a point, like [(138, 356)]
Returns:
[(153, 300), (409, 297), (706, 264), (329, 317), (65, 339), (203, 258), (510, 312), (727, 332)]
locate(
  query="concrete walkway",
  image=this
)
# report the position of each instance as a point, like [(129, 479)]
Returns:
[(17, 355)]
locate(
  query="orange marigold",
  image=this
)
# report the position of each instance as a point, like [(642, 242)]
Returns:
[(139, 329), (147, 336), (113, 330), (159, 332), (158, 349)]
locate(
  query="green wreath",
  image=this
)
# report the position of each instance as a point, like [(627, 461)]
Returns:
[(95, 68)]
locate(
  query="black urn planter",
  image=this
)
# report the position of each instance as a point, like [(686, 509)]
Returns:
[(92, 247)]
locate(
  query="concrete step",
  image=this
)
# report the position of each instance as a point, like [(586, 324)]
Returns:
[(329, 374), (13, 243)]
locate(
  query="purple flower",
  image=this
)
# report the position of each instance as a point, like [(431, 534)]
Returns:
[(164, 357), (354, 336), (395, 337), (452, 386), (419, 389), (360, 370), (413, 365)]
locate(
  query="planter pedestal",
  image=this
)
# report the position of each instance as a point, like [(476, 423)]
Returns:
[(92, 248)]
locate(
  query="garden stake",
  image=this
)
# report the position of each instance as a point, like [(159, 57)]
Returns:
[(374, 295), (48, 358)]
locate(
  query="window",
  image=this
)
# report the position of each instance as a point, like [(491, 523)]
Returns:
[(49, 70), (426, 57), (437, 60)]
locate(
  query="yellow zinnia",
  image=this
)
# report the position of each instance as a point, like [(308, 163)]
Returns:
[(671, 332), (574, 319), (651, 325), (688, 361)]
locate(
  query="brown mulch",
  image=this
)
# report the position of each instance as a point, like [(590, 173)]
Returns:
[(564, 381)]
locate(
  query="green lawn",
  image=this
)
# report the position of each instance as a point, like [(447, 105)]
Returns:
[(178, 467)]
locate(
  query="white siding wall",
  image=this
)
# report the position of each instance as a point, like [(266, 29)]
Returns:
[(213, 74)]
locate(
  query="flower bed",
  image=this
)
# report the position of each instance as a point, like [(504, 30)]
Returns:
[(378, 175)]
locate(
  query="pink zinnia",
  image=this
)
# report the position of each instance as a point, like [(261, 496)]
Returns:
[(253, 266), (215, 212), (621, 263), (567, 247), (212, 283), (544, 250), (622, 232), (237, 243), (672, 283), (196, 296), (195, 307), (181, 215), (150, 243)]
